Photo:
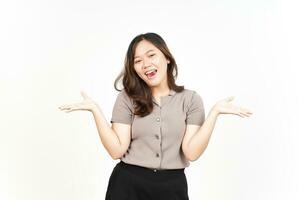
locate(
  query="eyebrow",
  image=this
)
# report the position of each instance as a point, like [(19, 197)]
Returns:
[(145, 53)]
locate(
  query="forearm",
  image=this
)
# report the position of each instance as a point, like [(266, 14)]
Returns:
[(200, 139), (107, 135)]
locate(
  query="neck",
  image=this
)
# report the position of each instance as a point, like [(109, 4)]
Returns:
[(162, 91)]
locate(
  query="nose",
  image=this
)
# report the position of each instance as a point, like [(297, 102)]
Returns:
[(147, 63)]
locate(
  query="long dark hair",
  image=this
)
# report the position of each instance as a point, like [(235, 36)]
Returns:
[(134, 86)]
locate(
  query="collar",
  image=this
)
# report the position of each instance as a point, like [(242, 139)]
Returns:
[(172, 92)]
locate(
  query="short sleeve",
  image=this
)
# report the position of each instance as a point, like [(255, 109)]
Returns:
[(122, 110), (195, 113)]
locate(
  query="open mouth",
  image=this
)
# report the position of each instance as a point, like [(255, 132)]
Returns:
[(151, 74)]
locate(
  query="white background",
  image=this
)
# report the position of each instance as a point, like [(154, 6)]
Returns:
[(50, 50)]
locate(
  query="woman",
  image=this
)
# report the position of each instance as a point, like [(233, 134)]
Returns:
[(157, 126)]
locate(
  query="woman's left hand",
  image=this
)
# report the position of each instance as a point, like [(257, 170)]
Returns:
[(223, 106)]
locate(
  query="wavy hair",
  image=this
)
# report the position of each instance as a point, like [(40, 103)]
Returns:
[(134, 86)]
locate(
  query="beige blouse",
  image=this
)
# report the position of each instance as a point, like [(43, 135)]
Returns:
[(156, 138)]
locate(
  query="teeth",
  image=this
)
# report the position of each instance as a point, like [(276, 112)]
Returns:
[(150, 71)]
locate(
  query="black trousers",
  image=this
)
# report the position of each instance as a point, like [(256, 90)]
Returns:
[(131, 182)]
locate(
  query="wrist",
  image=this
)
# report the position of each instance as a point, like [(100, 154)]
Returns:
[(94, 107), (215, 111)]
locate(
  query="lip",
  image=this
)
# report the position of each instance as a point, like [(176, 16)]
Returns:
[(153, 77), (149, 70)]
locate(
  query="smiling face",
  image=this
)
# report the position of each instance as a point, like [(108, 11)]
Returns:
[(150, 64)]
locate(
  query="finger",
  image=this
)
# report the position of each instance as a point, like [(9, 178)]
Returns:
[(74, 105), (246, 114), (75, 108), (229, 98), (240, 114), (246, 111), (65, 107), (84, 95), (70, 110), (62, 107), (243, 114), (67, 111)]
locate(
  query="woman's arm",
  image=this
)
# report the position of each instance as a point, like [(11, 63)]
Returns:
[(196, 139), (115, 139)]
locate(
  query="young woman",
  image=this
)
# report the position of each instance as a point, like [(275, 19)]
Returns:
[(157, 127)]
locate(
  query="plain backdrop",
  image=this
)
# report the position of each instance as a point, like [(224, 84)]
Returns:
[(50, 50)]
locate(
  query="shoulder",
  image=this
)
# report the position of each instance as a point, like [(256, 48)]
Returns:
[(122, 93), (123, 96), (192, 98), (189, 93)]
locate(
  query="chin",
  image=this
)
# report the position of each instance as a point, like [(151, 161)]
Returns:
[(153, 83)]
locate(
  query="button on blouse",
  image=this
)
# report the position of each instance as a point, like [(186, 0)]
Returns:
[(156, 138)]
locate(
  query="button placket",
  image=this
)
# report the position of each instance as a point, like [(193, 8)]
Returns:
[(157, 136)]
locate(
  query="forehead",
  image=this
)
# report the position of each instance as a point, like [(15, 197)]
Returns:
[(144, 47)]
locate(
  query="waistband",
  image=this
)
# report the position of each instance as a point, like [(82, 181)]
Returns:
[(154, 174), (137, 167)]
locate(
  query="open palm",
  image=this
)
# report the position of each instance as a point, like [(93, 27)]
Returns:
[(87, 104), (223, 106)]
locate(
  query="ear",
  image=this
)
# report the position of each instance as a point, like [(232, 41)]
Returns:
[(168, 61)]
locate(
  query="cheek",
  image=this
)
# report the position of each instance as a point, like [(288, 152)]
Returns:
[(156, 60), (138, 72), (161, 62), (136, 69)]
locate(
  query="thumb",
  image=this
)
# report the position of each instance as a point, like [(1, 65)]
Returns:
[(84, 95), (229, 98)]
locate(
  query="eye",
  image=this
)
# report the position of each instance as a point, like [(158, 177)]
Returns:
[(152, 55), (137, 61)]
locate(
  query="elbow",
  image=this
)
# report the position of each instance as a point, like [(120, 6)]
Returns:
[(190, 156), (192, 159), (115, 156), (115, 152)]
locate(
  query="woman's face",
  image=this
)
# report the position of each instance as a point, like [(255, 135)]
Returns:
[(150, 64)]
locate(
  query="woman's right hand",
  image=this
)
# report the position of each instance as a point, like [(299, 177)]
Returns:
[(87, 104)]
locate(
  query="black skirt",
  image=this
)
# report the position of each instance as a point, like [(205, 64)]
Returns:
[(131, 182)]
